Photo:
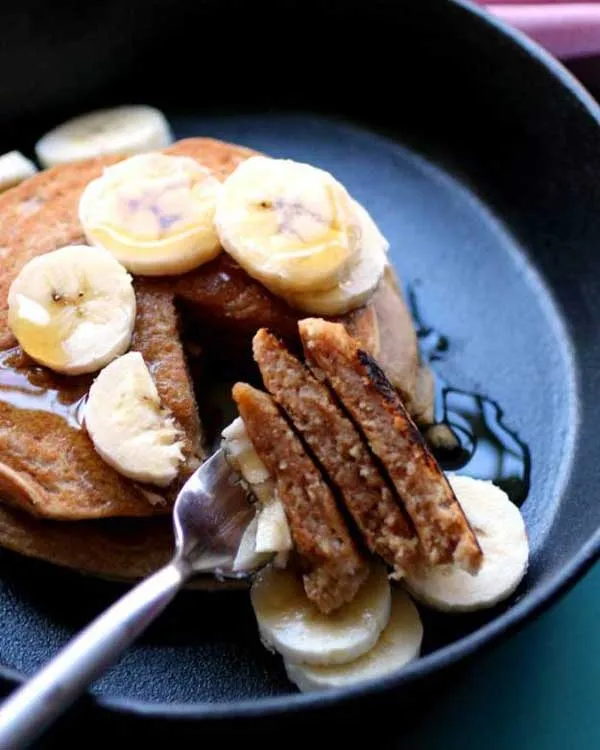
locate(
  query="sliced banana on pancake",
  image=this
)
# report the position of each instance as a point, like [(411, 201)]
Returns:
[(398, 644), (154, 213), (14, 168), (289, 623), (288, 224), (72, 310), (362, 278), (296, 229), (121, 131), (501, 533), (129, 427)]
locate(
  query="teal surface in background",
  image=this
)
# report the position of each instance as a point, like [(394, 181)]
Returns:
[(538, 690)]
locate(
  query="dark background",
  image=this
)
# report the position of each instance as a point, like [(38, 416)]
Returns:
[(540, 688), (537, 690)]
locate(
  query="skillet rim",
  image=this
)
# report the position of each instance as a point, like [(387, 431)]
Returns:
[(521, 613)]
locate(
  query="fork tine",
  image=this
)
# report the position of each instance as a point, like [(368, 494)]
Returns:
[(210, 515)]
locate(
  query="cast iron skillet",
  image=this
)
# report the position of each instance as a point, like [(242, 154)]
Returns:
[(478, 155)]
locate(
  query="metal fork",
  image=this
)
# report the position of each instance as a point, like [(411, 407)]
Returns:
[(209, 518)]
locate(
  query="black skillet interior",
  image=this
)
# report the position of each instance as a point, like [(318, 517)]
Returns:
[(479, 159)]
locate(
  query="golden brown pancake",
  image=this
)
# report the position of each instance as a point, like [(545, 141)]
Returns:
[(54, 456), (115, 549), (56, 460), (340, 450), (58, 474), (369, 398), (399, 354)]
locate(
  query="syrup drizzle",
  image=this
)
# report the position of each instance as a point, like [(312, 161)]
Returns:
[(29, 387), (480, 444)]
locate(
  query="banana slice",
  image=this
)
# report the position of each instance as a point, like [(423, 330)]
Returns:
[(129, 427), (242, 457), (122, 131), (14, 168), (266, 537), (500, 531), (73, 309), (360, 280), (288, 224), (154, 213), (272, 529), (399, 644), (289, 623), (247, 558)]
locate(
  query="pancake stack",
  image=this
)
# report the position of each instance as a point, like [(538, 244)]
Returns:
[(59, 500)]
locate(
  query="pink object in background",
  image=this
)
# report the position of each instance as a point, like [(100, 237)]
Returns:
[(565, 28)]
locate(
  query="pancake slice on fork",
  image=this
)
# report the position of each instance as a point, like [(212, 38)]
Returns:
[(334, 569), (340, 449)]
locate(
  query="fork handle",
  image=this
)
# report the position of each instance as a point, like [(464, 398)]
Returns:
[(32, 707)]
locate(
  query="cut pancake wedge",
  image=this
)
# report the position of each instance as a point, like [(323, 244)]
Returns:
[(339, 448), (334, 568), (116, 549), (369, 397)]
